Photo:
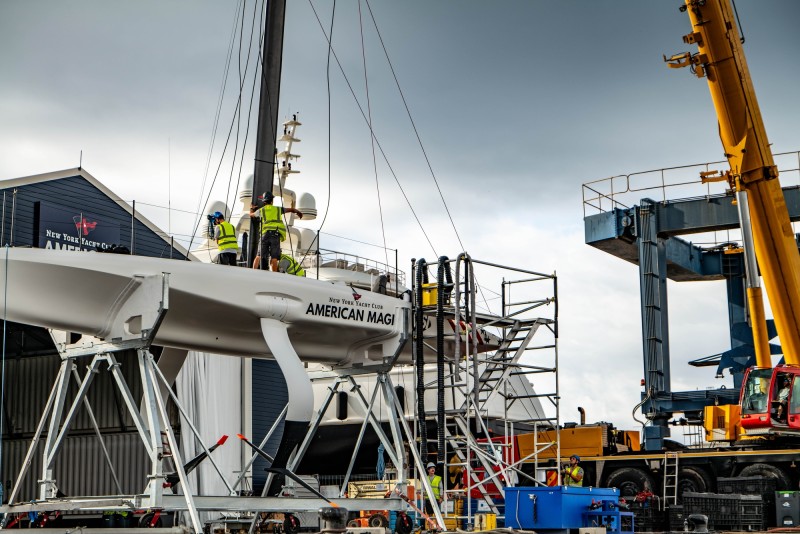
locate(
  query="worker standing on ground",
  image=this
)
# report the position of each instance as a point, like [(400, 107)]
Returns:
[(573, 473), (227, 243), (273, 231), (436, 485), (289, 265)]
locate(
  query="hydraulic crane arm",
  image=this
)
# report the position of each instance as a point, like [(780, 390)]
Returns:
[(720, 59)]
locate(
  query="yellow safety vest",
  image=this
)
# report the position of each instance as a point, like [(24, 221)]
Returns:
[(272, 220), (294, 267), (436, 485), (574, 471), (227, 237)]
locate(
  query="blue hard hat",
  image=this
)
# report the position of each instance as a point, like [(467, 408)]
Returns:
[(218, 215), (578, 458)]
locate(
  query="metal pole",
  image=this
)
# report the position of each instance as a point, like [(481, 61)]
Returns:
[(80, 232), (3, 226), (266, 141), (13, 214), (133, 220)]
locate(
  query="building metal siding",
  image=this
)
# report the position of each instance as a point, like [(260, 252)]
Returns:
[(80, 467), (79, 195), (269, 398), (30, 380)]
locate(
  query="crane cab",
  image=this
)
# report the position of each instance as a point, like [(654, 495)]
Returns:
[(771, 398)]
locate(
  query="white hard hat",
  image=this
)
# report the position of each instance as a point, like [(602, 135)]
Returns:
[(430, 464)]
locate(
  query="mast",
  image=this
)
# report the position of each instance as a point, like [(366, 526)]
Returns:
[(272, 54)]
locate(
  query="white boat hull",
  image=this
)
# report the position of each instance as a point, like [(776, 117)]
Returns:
[(211, 308)]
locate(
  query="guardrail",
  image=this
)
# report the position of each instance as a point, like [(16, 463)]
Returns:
[(624, 190)]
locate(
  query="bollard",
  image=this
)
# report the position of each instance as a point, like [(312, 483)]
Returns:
[(333, 519)]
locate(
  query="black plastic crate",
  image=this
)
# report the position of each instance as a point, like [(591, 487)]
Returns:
[(748, 486), (650, 519), (763, 486), (727, 512), (676, 516)]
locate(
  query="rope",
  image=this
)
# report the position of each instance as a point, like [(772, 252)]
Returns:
[(414, 126), (3, 369), (372, 138), (377, 143)]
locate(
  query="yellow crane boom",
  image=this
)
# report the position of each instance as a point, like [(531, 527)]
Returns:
[(720, 59)]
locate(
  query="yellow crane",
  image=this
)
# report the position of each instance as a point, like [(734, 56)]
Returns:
[(766, 393)]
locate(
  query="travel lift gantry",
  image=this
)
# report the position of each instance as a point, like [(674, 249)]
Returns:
[(133, 326)]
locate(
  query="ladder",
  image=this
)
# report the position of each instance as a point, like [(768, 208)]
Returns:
[(461, 441), (670, 478), (503, 362)]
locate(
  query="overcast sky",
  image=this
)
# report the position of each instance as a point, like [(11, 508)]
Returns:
[(517, 103)]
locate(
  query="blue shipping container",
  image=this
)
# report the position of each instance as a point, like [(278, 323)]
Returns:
[(558, 507)]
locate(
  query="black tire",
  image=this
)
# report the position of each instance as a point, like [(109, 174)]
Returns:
[(694, 480), (353, 523), (291, 525), (403, 525), (782, 480), (147, 519), (630, 481), (378, 521)]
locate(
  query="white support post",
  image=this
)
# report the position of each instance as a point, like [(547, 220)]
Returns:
[(149, 401), (150, 366), (47, 487)]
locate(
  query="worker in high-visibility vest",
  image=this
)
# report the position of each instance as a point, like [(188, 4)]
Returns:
[(227, 244), (273, 231), (289, 265), (573, 473), (436, 485)]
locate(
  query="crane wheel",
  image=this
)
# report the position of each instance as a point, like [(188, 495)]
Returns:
[(693, 479), (630, 481), (782, 480)]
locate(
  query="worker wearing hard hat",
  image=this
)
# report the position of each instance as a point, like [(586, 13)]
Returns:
[(436, 485), (273, 231), (573, 473), (227, 244)]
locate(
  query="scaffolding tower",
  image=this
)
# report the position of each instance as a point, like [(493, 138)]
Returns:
[(498, 347)]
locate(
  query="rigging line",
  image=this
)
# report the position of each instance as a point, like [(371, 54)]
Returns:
[(377, 142), (356, 240), (252, 98), (238, 114), (3, 369), (328, 85), (371, 138), (221, 157), (218, 112), (414, 126)]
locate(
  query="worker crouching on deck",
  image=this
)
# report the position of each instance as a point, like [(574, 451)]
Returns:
[(289, 265), (573, 473), (273, 231)]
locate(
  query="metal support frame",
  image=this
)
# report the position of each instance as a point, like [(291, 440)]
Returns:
[(476, 378), (655, 323)]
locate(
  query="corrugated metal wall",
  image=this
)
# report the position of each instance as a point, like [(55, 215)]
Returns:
[(269, 398), (80, 467), (76, 193), (28, 384)]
